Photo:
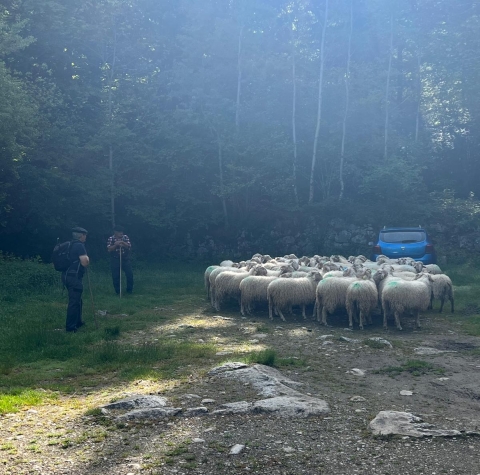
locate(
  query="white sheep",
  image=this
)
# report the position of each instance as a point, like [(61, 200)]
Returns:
[(330, 296), (441, 289), (433, 269), (213, 277), (401, 296), (286, 293), (253, 289), (227, 284), (360, 301), (206, 278)]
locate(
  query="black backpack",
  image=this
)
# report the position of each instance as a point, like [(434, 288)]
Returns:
[(60, 256)]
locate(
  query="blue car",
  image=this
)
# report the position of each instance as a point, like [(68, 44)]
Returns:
[(405, 242)]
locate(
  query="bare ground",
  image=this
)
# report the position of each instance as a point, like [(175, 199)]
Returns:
[(59, 438)]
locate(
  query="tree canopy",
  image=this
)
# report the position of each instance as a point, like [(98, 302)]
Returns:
[(211, 117)]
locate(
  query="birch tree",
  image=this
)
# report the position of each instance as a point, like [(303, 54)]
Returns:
[(387, 89), (347, 102), (319, 104)]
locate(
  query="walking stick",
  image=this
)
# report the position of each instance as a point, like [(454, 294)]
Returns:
[(91, 299), (120, 271)]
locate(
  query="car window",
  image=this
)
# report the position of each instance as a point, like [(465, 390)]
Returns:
[(402, 236)]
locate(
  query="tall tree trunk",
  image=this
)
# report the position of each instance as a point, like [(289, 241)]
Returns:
[(419, 97), (222, 184), (387, 89), (112, 185), (400, 76), (294, 127), (347, 103), (319, 106), (111, 75), (239, 80)]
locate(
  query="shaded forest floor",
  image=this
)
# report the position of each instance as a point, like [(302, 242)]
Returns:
[(165, 339)]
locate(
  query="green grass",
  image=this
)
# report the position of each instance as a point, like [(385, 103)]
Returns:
[(36, 352), (14, 399), (266, 357), (414, 367)]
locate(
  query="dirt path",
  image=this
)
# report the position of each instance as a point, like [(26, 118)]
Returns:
[(60, 439)]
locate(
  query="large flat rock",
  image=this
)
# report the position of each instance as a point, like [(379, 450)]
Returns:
[(137, 402), (282, 406), (268, 381), (404, 423)]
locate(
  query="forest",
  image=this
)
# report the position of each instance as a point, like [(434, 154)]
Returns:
[(192, 118)]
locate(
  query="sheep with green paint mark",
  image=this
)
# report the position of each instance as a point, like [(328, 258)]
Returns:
[(400, 297), (360, 301), (206, 278)]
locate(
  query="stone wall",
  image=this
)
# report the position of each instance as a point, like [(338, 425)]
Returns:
[(335, 237)]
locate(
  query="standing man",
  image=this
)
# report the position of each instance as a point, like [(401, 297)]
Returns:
[(72, 278), (116, 244)]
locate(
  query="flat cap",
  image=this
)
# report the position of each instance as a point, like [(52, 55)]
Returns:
[(80, 230)]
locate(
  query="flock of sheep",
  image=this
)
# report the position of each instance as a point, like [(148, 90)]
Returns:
[(330, 284)]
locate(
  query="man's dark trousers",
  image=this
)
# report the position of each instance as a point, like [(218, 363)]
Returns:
[(74, 286), (127, 268)]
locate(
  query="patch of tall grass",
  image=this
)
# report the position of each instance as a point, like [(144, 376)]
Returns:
[(36, 352), (15, 399)]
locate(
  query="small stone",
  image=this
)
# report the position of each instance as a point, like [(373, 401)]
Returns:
[(443, 379), (260, 336), (223, 353), (404, 392), (357, 372), (324, 337), (381, 340), (208, 401), (195, 411), (288, 450), (198, 440), (236, 449), (349, 340), (357, 399), (253, 341), (326, 343)]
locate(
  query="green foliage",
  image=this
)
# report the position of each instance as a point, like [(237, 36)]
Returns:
[(16, 398), (414, 367), (35, 349), (181, 113), (266, 357)]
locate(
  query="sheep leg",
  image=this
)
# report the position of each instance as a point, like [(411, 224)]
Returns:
[(442, 301), (350, 318), (270, 308), (324, 316), (314, 309), (451, 301), (362, 319), (384, 310), (281, 314), (242, 307), (397, 320), (417, 319), (303, 312)]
